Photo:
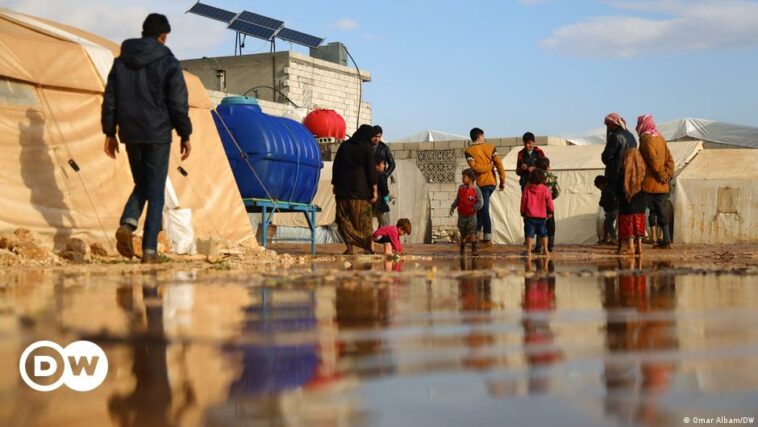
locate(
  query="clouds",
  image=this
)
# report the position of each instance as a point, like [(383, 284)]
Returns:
[(679, 26), (191, 36), (346, 24)]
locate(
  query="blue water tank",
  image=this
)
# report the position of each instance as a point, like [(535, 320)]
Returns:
[(283, 153)]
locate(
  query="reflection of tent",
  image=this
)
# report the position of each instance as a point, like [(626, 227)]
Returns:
[(577, 206), (431, 136), (717, 133), (412, 202), (717, 198), (51, 80)]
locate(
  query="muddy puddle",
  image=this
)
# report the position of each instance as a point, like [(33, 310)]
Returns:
[(416, 343)]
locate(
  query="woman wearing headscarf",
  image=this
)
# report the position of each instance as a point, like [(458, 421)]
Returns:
[(659, 171), (618, 141), (355, 189)]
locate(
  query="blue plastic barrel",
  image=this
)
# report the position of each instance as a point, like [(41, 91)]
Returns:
[(284, 154)]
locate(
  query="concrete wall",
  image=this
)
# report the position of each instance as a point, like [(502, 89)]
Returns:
[(308, 82)]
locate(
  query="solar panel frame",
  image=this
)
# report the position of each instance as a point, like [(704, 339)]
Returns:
[(212, 12), (300, 38), (260, 20), (252, 30)]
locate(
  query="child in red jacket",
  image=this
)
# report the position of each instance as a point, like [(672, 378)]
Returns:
[(389, 236), (536, 204)]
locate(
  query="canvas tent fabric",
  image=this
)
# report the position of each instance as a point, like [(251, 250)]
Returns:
[(716, 201), (431, 136), (699, 129), (51, 86), (576, 208), (412, 202)]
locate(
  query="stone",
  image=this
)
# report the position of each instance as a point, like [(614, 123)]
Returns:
[(99, 249), (78, 246)]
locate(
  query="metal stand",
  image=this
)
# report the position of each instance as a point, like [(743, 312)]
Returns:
[(267, 208)]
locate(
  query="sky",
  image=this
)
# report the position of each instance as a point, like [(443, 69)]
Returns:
[(553, 67)]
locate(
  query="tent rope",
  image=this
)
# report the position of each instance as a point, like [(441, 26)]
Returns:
[(81, 179), (245, 157)]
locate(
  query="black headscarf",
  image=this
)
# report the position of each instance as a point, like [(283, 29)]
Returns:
[(363, 134)]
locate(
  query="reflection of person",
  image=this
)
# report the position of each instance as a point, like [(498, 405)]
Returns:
[(659, 171), (468, 202), (475, 295), (355, 189), (634, 386), (150, 403), (539, 297), (145, 99), (483, 158)]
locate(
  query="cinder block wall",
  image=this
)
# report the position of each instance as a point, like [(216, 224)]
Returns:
[(308, 82), (441, 194)]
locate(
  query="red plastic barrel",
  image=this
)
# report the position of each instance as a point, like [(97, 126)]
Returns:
[(326, 124)]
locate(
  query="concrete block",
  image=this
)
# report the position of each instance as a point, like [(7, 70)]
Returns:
[(459, 145), (442, 145), (426, 146)]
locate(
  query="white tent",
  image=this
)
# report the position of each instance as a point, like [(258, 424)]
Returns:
[(705, 130), (576, 208), (717, 198), (411, 201), (432, 136)]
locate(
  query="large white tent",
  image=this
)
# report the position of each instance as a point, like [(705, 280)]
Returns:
[(54, 178), (718, 133), (717, 198), (431, 136), (576, 208)]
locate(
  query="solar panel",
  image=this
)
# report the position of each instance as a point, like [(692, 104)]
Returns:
[(299, 38), (252, 29), (212, 12), (263, 21)]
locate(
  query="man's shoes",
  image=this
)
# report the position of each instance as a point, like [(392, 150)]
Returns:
[(152, 258), (124, 242)]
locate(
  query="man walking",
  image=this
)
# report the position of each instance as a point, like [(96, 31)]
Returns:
[(145, 99)]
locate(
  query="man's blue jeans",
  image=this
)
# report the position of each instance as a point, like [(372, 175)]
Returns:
[(149, 165), (483, 219)]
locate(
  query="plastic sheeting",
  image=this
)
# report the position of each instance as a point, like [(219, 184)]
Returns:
[(700, 129), (431, 136), (717, 198), (576, 208), (411, 201), (50, 98)]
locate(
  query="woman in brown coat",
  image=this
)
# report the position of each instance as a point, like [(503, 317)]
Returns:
[(659, 171)]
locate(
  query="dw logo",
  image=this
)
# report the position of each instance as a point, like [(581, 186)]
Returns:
[(81, 366)]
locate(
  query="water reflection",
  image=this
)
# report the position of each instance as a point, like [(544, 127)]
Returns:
[(389, 343), (475, 297), (539, 341), (635, 385)]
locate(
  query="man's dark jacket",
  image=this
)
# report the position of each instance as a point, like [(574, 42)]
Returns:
[(382, 153), (619, 140), (146, 96)]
